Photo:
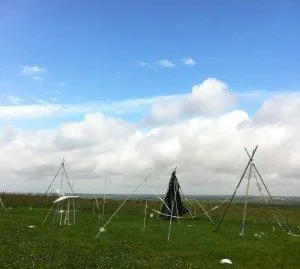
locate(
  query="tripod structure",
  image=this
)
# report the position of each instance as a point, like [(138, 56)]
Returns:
[(64, 176), (65, 203), (254, 173)]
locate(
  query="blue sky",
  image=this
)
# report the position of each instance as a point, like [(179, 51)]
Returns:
[(91, 51)]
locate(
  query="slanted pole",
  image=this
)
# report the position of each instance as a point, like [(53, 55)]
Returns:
[(273, 202), (246, 200), (278, 211), (2, 204), (250, 160), (135, 189), (52, 181)]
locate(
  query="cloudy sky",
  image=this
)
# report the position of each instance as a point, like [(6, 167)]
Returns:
[(123, 90)]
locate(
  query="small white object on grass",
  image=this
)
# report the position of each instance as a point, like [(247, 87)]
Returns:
[(226, 261), (31, 226), (30, 208), (102, 229), (151, 215)]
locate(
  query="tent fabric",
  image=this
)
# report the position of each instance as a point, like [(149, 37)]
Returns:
[(173, 200)]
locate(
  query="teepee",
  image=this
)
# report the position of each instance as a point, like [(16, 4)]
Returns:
[(173, 206), (65, 205)]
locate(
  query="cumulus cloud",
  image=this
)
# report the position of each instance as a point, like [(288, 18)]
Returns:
[(188, 62), (30, 70), (280, 108), (207, 147), (166, 63), (209, 98)]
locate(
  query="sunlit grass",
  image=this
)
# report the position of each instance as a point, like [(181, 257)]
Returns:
[(193, 244)]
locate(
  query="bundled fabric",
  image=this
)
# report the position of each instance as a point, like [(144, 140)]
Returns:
[(173, 204)]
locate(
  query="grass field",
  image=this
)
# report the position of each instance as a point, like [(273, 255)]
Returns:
[(193, 244)]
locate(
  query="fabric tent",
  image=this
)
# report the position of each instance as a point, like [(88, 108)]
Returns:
[(173, 205)]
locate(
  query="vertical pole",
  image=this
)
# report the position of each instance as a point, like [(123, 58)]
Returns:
[(104, 199), (145, 216), (175, 201), (93, 206), (170, 223), (61, 181), (74, 211)]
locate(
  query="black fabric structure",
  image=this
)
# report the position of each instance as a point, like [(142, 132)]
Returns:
[(173, 200)]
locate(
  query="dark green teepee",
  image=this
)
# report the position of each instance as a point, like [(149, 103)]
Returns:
[(173, 204)]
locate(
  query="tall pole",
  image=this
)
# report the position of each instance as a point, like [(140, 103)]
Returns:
[(246, 200), (104, 199)]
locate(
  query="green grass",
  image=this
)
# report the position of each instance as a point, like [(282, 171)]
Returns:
[(193, 244)]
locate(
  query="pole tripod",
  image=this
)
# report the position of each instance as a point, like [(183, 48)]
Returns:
[(252, 168), (63, 172)]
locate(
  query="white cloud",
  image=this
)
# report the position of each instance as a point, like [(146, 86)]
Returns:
[(54, 99), (189, 61), (32, 70), (28, 111), (142, 64), (15, 99), (138, 105), (273, 110), (38, 79), (209, 152), (208, 148), (209, 98), (166, 63), (205, 138)]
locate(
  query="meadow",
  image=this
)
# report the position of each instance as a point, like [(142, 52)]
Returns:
[(193, 243)]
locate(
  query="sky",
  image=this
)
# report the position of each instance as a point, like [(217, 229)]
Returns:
[(120, 89)]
